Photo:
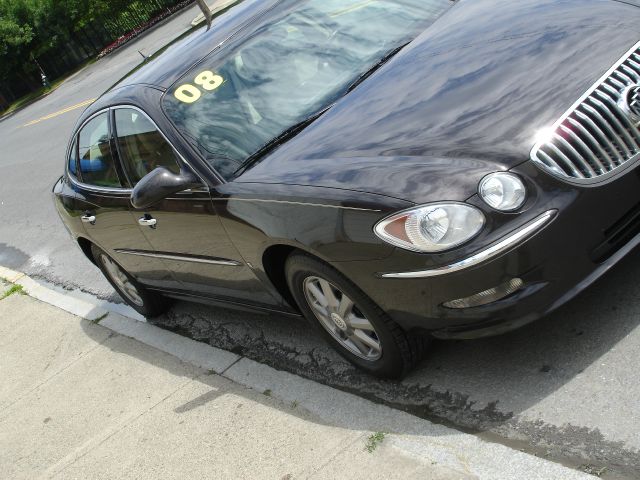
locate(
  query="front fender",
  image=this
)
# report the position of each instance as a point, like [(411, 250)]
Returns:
[(335, 225)]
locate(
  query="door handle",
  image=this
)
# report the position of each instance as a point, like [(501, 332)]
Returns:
[(148, 221), (88, 219)]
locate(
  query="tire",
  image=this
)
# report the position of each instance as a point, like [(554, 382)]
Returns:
[(143, 301), (398, 351)]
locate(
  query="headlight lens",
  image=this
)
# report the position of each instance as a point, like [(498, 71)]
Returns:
[(431, 228), (503, 191)]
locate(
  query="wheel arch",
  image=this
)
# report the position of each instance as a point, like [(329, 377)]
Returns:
[(85, 246), (274, 259)]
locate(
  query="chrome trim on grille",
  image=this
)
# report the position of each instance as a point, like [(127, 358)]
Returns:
[(502, 246), (601, 132), (180, 258)]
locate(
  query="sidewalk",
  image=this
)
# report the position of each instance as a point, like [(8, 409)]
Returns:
[(78, 400)]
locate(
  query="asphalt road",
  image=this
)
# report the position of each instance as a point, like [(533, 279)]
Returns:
[(566, 387)]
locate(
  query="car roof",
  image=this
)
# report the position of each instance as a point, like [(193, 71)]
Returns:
[(165, 66)]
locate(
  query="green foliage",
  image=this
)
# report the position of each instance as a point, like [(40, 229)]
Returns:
[(43, 23), (12, 34), (30, 28), (16, 34), (373, 441), (14, 289)]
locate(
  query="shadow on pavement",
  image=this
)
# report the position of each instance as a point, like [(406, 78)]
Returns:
[(481, 385)]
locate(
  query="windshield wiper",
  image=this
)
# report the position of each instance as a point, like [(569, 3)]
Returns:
[(295, 129), (370, 72), (280, 139)]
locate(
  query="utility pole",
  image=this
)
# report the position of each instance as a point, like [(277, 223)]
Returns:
[(205, 11)]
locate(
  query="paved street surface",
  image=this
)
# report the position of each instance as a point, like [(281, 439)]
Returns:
[(566, 387), (80, 401)]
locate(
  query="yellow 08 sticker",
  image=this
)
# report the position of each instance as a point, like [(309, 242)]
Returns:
[(208, 80), (188, 93)]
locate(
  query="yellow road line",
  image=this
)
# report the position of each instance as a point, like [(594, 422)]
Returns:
[(60, 112)]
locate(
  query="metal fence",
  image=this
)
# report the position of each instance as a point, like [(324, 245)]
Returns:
[(87, 42)]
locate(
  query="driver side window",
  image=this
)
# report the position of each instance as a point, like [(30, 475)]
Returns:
[(141, 145)]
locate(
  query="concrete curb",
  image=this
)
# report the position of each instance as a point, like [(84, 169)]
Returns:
[(189, 351), (408, 435)]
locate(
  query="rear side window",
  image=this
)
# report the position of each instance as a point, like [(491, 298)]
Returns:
[(73, 158), (97, 165), (142, 147)]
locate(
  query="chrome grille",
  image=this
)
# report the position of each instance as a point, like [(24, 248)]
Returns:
[(601, 131)]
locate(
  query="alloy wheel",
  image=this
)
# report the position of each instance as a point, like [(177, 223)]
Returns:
[(342, 318), (117, 275)]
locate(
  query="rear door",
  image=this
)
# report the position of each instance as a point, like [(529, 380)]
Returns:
[(184, 229)]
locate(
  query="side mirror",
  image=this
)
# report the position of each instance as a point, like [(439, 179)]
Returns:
[(159, 184)]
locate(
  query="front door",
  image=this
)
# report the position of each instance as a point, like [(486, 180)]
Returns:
[(103, 201), (184, 229)]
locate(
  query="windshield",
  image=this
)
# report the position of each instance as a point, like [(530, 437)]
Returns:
[(288, 68)]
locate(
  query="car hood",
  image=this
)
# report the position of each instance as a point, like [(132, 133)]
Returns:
[(466, 98)]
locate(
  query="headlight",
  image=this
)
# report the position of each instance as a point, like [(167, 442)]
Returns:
[(431, 228), (503, 191)]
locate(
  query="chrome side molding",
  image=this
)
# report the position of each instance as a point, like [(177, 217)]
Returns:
[(180, 258)]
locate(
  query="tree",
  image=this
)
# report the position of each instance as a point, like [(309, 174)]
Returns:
[(34, 29), (16, 35)]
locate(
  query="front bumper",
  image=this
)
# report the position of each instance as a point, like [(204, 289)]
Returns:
[(594, 228)]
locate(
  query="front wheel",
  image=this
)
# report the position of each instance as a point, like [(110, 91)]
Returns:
[(146, 303), (350, 321)]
